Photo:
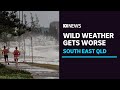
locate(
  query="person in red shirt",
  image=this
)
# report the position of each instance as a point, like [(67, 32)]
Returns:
[(16, 55), (5, 53)]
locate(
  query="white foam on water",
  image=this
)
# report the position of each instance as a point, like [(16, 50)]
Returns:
[(45, 50)]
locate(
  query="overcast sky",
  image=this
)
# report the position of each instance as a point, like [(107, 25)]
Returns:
[(45, 17)]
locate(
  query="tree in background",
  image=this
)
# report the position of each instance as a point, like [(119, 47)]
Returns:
[(8, 22), (10, 26), (35, 26)]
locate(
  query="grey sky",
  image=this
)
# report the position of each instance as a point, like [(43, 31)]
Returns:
[(45, 17)]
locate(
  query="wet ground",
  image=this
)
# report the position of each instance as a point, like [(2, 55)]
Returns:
[(36, 72)]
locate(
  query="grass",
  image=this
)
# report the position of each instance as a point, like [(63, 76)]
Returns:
[(49, 66), (8, 73)]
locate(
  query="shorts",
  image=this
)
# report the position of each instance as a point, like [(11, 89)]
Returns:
[(5, 56), (16, 56)]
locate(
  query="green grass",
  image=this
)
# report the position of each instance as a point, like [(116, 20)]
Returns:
[(49, 66), (9, 73)]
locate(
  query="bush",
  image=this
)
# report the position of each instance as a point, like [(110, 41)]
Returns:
[(2, 66), (8, 73)]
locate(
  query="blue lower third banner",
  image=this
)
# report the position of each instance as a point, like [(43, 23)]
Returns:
[(89, 56)]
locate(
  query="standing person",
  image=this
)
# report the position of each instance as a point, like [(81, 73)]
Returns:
[(16, 55), (5, 53)]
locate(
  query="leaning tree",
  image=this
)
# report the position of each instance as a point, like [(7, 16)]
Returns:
[(10, 26)]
